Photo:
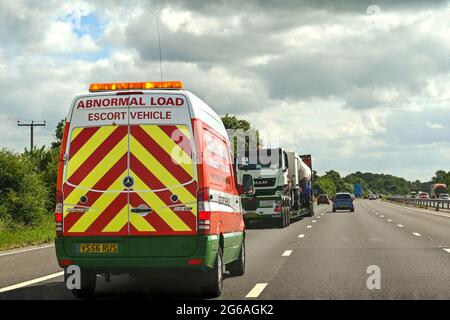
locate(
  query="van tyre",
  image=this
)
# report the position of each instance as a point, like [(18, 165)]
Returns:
[(88, 282), (214, 278), (237, 268)]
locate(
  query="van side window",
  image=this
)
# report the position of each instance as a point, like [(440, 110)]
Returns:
[(217, 162)]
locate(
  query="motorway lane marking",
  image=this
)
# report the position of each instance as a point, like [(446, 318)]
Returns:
[(287, 253), (389, 220), (309, 227), (417, 234), (376, 212), (301, 235), (400, 225), (381, 216), (314, 221), (257, 290), (30, 282), (26, 250), (446, 250), (419, 210)]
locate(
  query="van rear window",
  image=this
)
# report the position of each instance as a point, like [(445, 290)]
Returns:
[(343, 196)]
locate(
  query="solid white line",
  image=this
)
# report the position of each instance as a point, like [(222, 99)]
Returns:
[(287, 253), (257, 290), (400, 225), (30, 282), (301, 235), (446, 250), (25, 250), (417, 234)]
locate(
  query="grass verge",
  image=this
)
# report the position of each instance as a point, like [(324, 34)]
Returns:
[(27, 236)]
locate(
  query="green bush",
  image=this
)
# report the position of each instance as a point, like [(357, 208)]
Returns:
[(23, 195)]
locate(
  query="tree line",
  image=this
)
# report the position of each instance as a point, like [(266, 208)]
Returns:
[(28, 180)]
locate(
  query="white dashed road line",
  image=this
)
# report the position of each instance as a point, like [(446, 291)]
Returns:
[(314, 221), (301, 235), (400, 225), (417, 234), (25, 250), (446, 250), (287, 253), (389, 220), (30, 282), (257, 290), (309, 227)]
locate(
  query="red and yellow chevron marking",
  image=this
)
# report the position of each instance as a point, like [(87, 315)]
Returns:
[(160, 163)]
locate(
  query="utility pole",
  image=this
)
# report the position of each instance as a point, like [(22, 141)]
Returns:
[(32, 124)]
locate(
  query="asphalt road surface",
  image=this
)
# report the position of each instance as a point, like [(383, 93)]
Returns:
[(329, 256)]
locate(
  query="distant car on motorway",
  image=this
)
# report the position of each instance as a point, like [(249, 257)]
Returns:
[(444, 196), (424, 195), (323, 199), (372, 197), (343, 201)]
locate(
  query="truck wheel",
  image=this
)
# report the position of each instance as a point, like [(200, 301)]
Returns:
[(237, 268), (88, 282), (214, 278), (288, 217), (282, 219), (247, 223)]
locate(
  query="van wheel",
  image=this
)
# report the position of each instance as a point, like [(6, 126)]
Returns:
[(237, 268), (214, 278), (88, 282)]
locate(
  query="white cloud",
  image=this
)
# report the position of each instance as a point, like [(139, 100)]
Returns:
[(434, 125)]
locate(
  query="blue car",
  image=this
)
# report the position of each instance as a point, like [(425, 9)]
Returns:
[(343, 201)]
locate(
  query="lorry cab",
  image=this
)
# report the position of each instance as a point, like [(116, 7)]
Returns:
[(146, 184)]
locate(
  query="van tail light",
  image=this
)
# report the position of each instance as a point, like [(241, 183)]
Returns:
[(62, 157), (59, 214), (203, 212)]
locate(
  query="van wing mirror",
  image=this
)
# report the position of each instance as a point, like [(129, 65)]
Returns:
[(248, 184)]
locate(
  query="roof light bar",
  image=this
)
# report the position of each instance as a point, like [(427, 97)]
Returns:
[(118, 86)]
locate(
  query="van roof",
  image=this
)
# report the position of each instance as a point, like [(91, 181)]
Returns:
[(198, 108)]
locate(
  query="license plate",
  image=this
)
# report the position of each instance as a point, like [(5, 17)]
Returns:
[(251, 214), (99, 248), (266, 203)]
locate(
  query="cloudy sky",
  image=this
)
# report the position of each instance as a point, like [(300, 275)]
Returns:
[(362, 85)]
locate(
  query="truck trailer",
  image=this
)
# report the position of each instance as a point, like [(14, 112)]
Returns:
[(436, 189)]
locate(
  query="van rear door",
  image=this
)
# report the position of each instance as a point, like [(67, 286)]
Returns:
[(163, 196), (95, 198)]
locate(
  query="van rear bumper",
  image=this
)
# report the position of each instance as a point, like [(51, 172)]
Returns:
[(202, 258)]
